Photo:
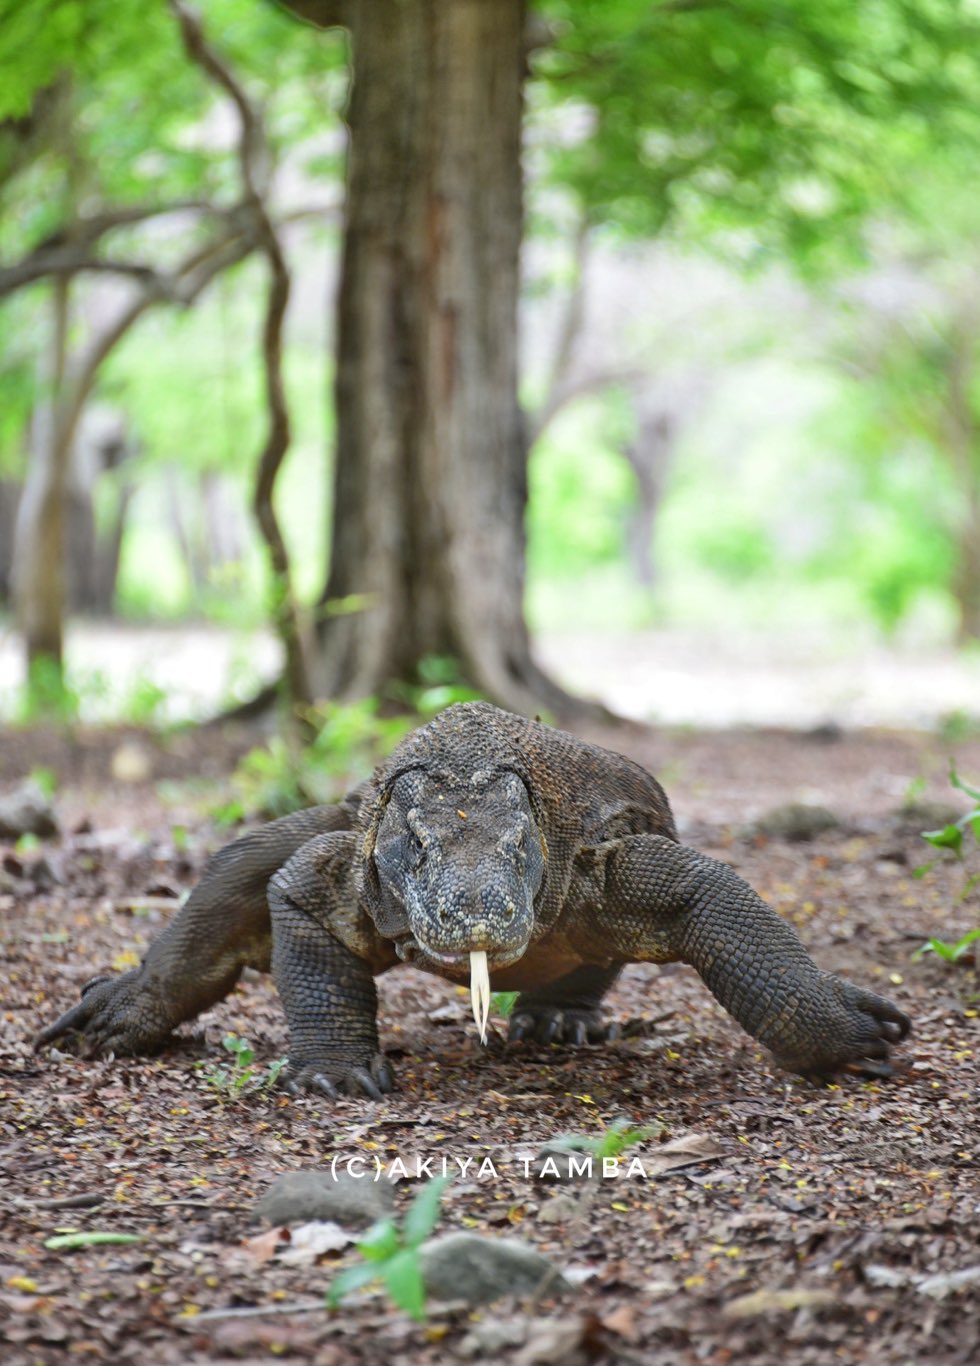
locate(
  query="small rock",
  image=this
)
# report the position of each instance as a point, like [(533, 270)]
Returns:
[(307, 1196), (796, 821), (559, 1210), (467, 1266), (924, 814), (566, 1161), (27, 811), (489, 1340)]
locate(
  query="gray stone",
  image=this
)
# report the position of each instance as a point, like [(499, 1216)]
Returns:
[(796, 821), (470, 1267), (566, 1160), (304, 1196), (26, 811), (925, 814)]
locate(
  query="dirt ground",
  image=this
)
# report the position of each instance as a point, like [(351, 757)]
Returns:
[(830, 1225)]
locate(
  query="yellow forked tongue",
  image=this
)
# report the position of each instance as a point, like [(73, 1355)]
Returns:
[(480, 990)]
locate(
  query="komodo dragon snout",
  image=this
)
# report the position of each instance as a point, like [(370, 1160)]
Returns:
[(463, 862)]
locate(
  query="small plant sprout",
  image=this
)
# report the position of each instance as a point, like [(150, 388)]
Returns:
[(953, 838), (502, 1003), (392, 1254), (242, 1077), (613, 1142)]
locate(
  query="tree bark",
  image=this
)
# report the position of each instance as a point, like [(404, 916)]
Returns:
[(649, 455), (428, 553), (39, 536)]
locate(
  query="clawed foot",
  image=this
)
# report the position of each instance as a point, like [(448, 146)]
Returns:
[(557, 1024), (115, 1015), (858, 1032), (341, 1076)]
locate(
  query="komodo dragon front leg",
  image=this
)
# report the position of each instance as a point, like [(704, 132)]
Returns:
[(664, 902), (325, 952), (223, 927)]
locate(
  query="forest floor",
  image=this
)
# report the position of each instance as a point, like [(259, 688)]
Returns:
[(817, 1225)]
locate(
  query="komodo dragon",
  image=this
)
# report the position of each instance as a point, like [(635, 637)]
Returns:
[(490, 847)]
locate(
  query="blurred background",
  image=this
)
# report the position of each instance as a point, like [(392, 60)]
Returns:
[(748, 353)]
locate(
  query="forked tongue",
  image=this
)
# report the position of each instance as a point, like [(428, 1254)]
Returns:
[(480, 990)]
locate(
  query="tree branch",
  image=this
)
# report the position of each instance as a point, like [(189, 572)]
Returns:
[(590, 383), (86, 230), (69, 251), (321, 13), (68, 261), (254, 169)]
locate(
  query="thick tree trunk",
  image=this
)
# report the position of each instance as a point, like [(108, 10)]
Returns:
[(966, 579), (39, 537), (427, 555)]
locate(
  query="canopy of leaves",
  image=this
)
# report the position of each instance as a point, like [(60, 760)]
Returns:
[(136, 122), (789, 117)]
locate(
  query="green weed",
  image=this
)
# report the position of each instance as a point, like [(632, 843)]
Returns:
[(391, 1254), (954, 839), (242, 1077)]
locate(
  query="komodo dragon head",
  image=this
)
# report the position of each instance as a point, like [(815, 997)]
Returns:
[(459, 863)]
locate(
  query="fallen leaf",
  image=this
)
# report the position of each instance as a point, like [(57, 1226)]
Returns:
[(687, 1151), (310, 1241), (761, 1302), (938, 1287), (264, 1246), (622, 1321)]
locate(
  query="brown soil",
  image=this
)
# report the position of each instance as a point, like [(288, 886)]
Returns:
[(831, 1208)]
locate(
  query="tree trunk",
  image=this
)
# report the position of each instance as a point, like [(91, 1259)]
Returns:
[(966, 579), (427, 554), (649, 455), (39, 538)]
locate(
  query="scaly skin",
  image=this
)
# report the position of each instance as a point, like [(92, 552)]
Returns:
[(486, 832)]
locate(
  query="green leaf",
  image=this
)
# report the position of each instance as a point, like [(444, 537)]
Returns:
[(961, 945), (68, 1242), (351, 1279), (950, 837), (949, 953), (502, 1003), (380, 1242), (403, 1277), (274, 1070), (45, 779), (423, 1213), (957, 781)]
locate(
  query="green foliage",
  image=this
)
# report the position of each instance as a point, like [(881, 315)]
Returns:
[(502, 1003), (779, 115), (349, 740), (391, 1254), (581, 490), (71, 1242), (45, 779), (612, 1142), (953, 838), (950, 953), (47, 696), (242, 1077)]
